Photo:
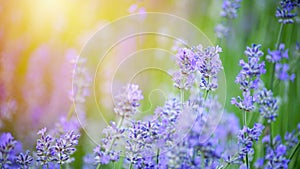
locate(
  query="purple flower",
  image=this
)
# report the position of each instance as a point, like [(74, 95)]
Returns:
[(183, 81), (246, 138), (281, 71), (268, 105), (186, 60), (127, 102), (209, 65), (229, 8), (276, 56), (249, 77), (246, 104), (221, 31), (291, 139), (64, 147), (7, 147), (259, 163), (44, 147), (24, 160), (104, 153), (285, 11)]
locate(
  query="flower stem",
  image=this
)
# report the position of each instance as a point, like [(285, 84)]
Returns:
[(245, 124), (294, 151), (157, 156), (130, 166)]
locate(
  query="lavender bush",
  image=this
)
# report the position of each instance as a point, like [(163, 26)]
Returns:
[(192, 129)]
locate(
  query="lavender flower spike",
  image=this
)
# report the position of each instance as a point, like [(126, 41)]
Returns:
[(285, 13), (44, 147), (229, 8), (7, 146), (64, 147), (268, 105), (209, 65), (127, 102), (24, 160)]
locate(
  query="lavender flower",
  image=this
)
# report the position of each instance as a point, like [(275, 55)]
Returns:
[(268, 105), (285, 13), (24, 160), (141, 136), (281, 70), (127, 102), (249, 77), (246, 104), (291, 139), (7, 146), (276, 158), (44, 147), (246, 138), (229, 8), (104, 153), (186, 60), (276, 56), (209, 65), (221, 31), (64, 147)]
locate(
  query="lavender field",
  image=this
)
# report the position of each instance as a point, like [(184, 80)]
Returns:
[(144, 84)]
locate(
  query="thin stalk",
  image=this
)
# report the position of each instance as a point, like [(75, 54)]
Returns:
[(157, 156), (245, 124), (130, 166), (227, 165), (273, 74), (271, 137)]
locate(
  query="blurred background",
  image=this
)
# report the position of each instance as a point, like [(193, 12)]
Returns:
[(40, 38)]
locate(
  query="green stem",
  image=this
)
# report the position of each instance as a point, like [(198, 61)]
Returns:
[(130, 166), (157, 156), (279, 35), (294, 152), (245, 124), (227, 165), (206, 94), (271, 137)]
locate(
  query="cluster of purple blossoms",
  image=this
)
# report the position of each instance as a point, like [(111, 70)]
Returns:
[(268, 105), (229, 8), (7, 150), (24, 160), (229, 11), (53, 152), (285, 12), (127, 102), (198, 61), (249, 77), (186, 60), (281, 69), (246, 138), (276, 155), (11, 155), (105, 152)]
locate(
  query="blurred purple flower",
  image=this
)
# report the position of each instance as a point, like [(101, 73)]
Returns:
[(229, 8), (127, 102), (276, 56), (282, 72)]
